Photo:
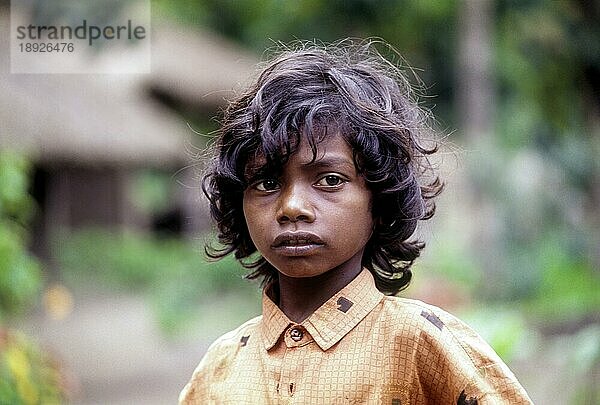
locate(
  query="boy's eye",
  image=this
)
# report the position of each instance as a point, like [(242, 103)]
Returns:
[(267, 185), (330, 180)]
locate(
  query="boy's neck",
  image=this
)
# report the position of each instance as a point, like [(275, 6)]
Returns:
[(300, 297)]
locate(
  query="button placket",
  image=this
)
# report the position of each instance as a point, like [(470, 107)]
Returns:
[(295, 338)]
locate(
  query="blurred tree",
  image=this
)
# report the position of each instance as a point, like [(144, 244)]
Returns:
[(542, 169), (19, 271), (27, 374)]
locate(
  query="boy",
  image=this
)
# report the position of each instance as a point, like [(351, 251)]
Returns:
[(321, 170)]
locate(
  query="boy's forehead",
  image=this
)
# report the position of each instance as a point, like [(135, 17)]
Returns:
[(304, 154)]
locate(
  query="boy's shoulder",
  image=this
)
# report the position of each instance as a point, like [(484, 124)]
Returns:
[(414, 309), (441, 331), (235, 336), (428, 320), (216, 359), (224, 346), (443, 343)]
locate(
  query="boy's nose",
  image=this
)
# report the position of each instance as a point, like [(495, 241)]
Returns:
[(294, 206)]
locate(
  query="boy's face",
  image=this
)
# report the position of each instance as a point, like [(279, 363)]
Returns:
[(314, 217)]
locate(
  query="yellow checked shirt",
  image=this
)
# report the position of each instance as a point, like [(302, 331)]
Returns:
[(360, 347)]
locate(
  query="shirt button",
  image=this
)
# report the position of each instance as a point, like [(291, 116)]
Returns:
[(296, 334)]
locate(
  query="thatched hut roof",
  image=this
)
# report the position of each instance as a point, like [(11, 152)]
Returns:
[(110, 118), (197, 66), (86, 119)]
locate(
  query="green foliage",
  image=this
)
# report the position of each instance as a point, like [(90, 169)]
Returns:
[(568, 288), (585, 365), (547, 55), (448, 256), (27, 375), (151, 191), (546, 235), (19, 271), (170, 272), (505, 329)]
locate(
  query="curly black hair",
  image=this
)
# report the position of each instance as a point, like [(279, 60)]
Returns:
[(310, 91)]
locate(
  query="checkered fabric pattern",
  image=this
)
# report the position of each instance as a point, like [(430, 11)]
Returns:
[(360, 347)]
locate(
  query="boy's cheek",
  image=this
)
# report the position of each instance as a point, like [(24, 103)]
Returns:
[(249, 208), (256, 225)]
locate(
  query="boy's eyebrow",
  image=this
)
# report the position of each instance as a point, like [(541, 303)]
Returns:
[(255, 172)]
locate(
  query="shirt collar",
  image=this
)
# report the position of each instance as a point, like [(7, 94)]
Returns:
[(332, 320)]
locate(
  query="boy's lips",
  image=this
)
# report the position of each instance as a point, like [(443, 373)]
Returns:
[(296, 243)]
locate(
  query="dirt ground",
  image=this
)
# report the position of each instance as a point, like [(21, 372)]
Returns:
[(113, 353)]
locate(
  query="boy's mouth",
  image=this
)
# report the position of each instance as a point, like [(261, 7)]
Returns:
[(296, 243)]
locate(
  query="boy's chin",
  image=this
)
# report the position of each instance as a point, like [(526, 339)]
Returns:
[(301, 273)]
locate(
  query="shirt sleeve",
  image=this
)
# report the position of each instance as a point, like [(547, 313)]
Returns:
[(456, 366), (197, 390)]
